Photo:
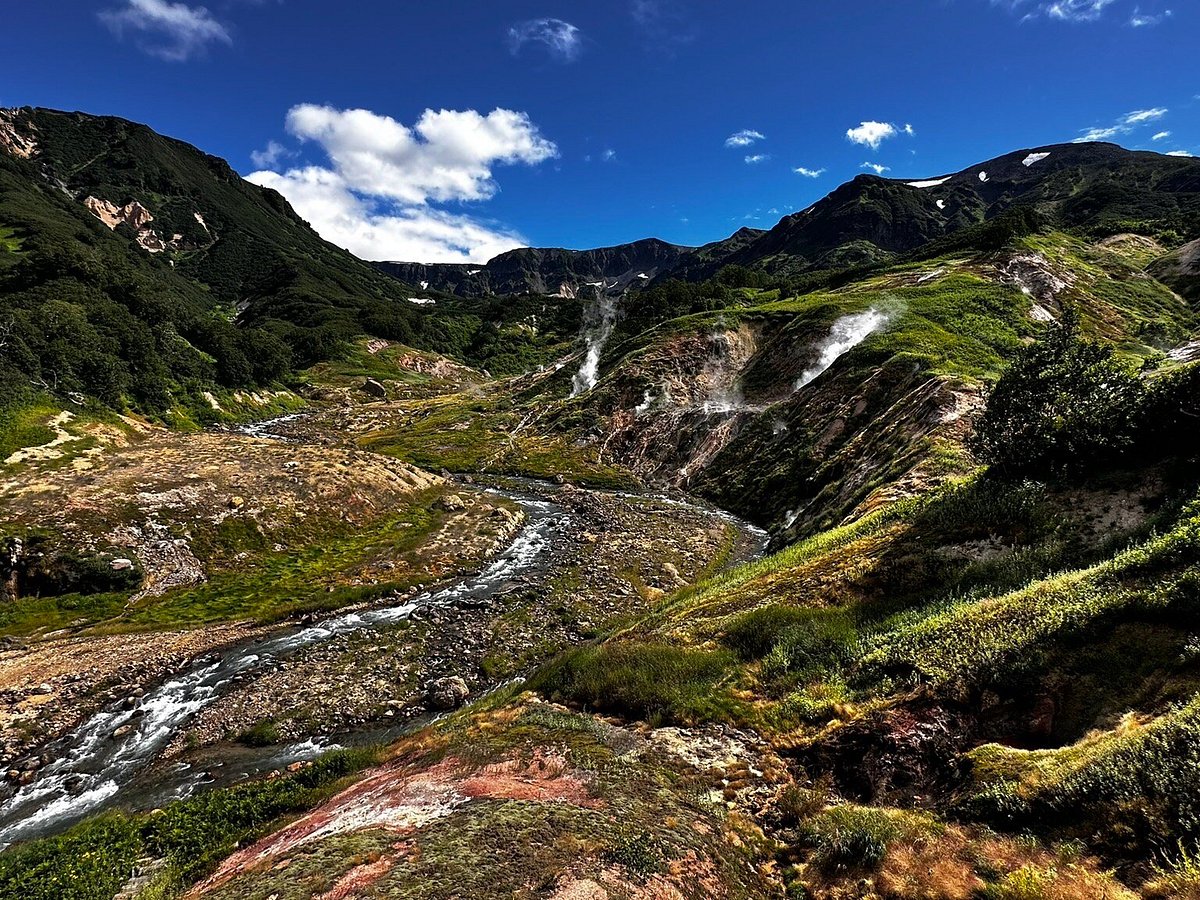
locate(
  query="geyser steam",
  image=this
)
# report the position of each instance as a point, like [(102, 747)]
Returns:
[(598, 328), (847, 333)]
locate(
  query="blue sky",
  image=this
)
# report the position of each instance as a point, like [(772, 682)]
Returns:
[(575, 124)]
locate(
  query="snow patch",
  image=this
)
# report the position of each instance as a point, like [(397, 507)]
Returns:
[(1034, 158), (422, 301), (983, 176), (941, 204), (934, 182)]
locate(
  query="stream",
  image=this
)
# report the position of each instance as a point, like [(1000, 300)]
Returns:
[(93, 766), (104, 763)]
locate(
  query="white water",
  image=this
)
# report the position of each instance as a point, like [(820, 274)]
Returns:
[(598, 328), (93, 764), (847, 333)]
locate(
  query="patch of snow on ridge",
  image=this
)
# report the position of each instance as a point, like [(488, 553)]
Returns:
[(934, 182), (422, 301), (941, 204), (983, 176), (1033, 158)]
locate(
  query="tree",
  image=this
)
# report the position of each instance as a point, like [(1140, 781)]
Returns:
[(1067, 404)]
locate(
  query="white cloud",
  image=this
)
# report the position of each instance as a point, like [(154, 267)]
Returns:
[(171, 31), (447, 155), (1145, 115), (909, 130), (744, 138), (1144, 20), (1186, 153), (1124, 125), (1161, 136), (872, 134), (1077, 10), (375, 196), (756, 158), (271, 155), (562, 40), (609, 155), (809, 173), (876, 167), (1099, 134)]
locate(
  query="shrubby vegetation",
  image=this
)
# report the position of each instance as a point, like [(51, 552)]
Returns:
[(1068, 406), (94, 859)]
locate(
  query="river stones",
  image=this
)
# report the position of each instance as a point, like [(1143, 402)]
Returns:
[(447, 693)]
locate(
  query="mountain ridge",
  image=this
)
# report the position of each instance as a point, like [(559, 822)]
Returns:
[(865, 220)]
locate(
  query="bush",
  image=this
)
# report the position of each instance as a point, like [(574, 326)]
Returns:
[(851, 837), (1065, 405)]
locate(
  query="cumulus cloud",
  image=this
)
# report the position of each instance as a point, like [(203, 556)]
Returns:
[(744, 138), (876, 168), (755, 158), (1128, 123), (171, 31), (809, 173), (561, 40), (376, 195), (872, 134)]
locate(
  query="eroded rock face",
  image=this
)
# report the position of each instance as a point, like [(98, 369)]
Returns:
[(17, 138), (137, 217)]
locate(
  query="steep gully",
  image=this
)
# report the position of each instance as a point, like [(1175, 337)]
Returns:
[(106, 762)]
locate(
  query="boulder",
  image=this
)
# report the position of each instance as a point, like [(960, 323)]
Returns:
[(452, 503), (374, 389), (447, 693)]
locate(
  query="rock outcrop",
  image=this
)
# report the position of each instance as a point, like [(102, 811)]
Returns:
[(17, 138)]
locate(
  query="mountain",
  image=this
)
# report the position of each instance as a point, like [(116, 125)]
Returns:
[(1093, 185), (167, 272), (565, 273), (870, 220)]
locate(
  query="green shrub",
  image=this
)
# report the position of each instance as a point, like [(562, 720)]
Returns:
[(92, 860), (636, 851), (1064, 406), (657, 682), (1026, 883), (262, 734), (850, 837)]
